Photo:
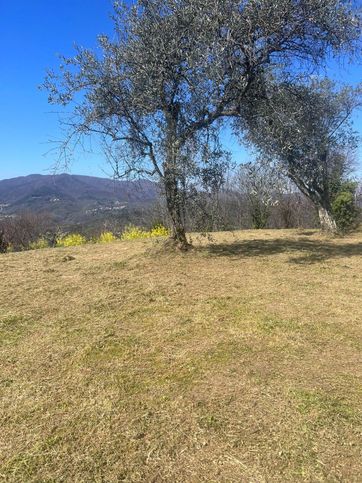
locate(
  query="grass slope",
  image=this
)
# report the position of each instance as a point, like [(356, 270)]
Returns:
[(239, 361)]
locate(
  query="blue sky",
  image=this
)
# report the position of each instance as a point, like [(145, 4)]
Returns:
[(32, 33)]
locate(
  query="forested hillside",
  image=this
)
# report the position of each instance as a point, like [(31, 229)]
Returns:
[(74, 199)]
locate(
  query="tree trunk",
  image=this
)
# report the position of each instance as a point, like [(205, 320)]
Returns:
[(326, 219), (321, 200), (174, 201)]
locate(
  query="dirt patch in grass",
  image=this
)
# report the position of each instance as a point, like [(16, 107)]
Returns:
[(238, 361)]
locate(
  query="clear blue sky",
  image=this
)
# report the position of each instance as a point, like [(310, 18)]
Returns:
[(32, 33)]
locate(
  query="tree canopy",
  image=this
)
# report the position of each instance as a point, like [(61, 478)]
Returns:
[(306, 128)]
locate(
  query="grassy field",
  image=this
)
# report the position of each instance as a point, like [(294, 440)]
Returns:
[(237, 362)]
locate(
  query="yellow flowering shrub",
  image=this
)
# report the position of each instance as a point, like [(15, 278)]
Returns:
[(38, 244), (106, 237), (159, 230), (132, 232), (72, 240)]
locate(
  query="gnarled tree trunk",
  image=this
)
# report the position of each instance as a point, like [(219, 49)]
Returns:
[(326, 220), (321, 200), (174, 202)]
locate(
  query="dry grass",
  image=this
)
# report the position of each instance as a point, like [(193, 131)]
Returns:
[(239, 361)]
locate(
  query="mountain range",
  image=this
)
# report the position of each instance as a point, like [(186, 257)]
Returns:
[(72, 199)]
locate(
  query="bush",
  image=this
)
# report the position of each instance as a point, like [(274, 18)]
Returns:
[(345, 210), (159, 230), (23, 230), (72, 240), (132, 232), (4, 243), (39, 244), (106, 237)]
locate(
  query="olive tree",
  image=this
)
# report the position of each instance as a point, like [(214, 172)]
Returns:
[(307, 130), (157, 90)]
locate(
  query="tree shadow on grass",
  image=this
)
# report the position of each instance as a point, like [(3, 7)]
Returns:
[(303, 251)]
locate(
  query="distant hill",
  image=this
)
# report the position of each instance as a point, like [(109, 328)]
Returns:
[(74, 198)]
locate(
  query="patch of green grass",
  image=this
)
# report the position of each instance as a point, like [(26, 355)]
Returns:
[(272, 324), (111, 347), (12, 328), (183, 377), (210, 422), (27, 463), (325, 407), (227, 351), (130, 384), (10, 322), (120, 264), (221, 303)]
